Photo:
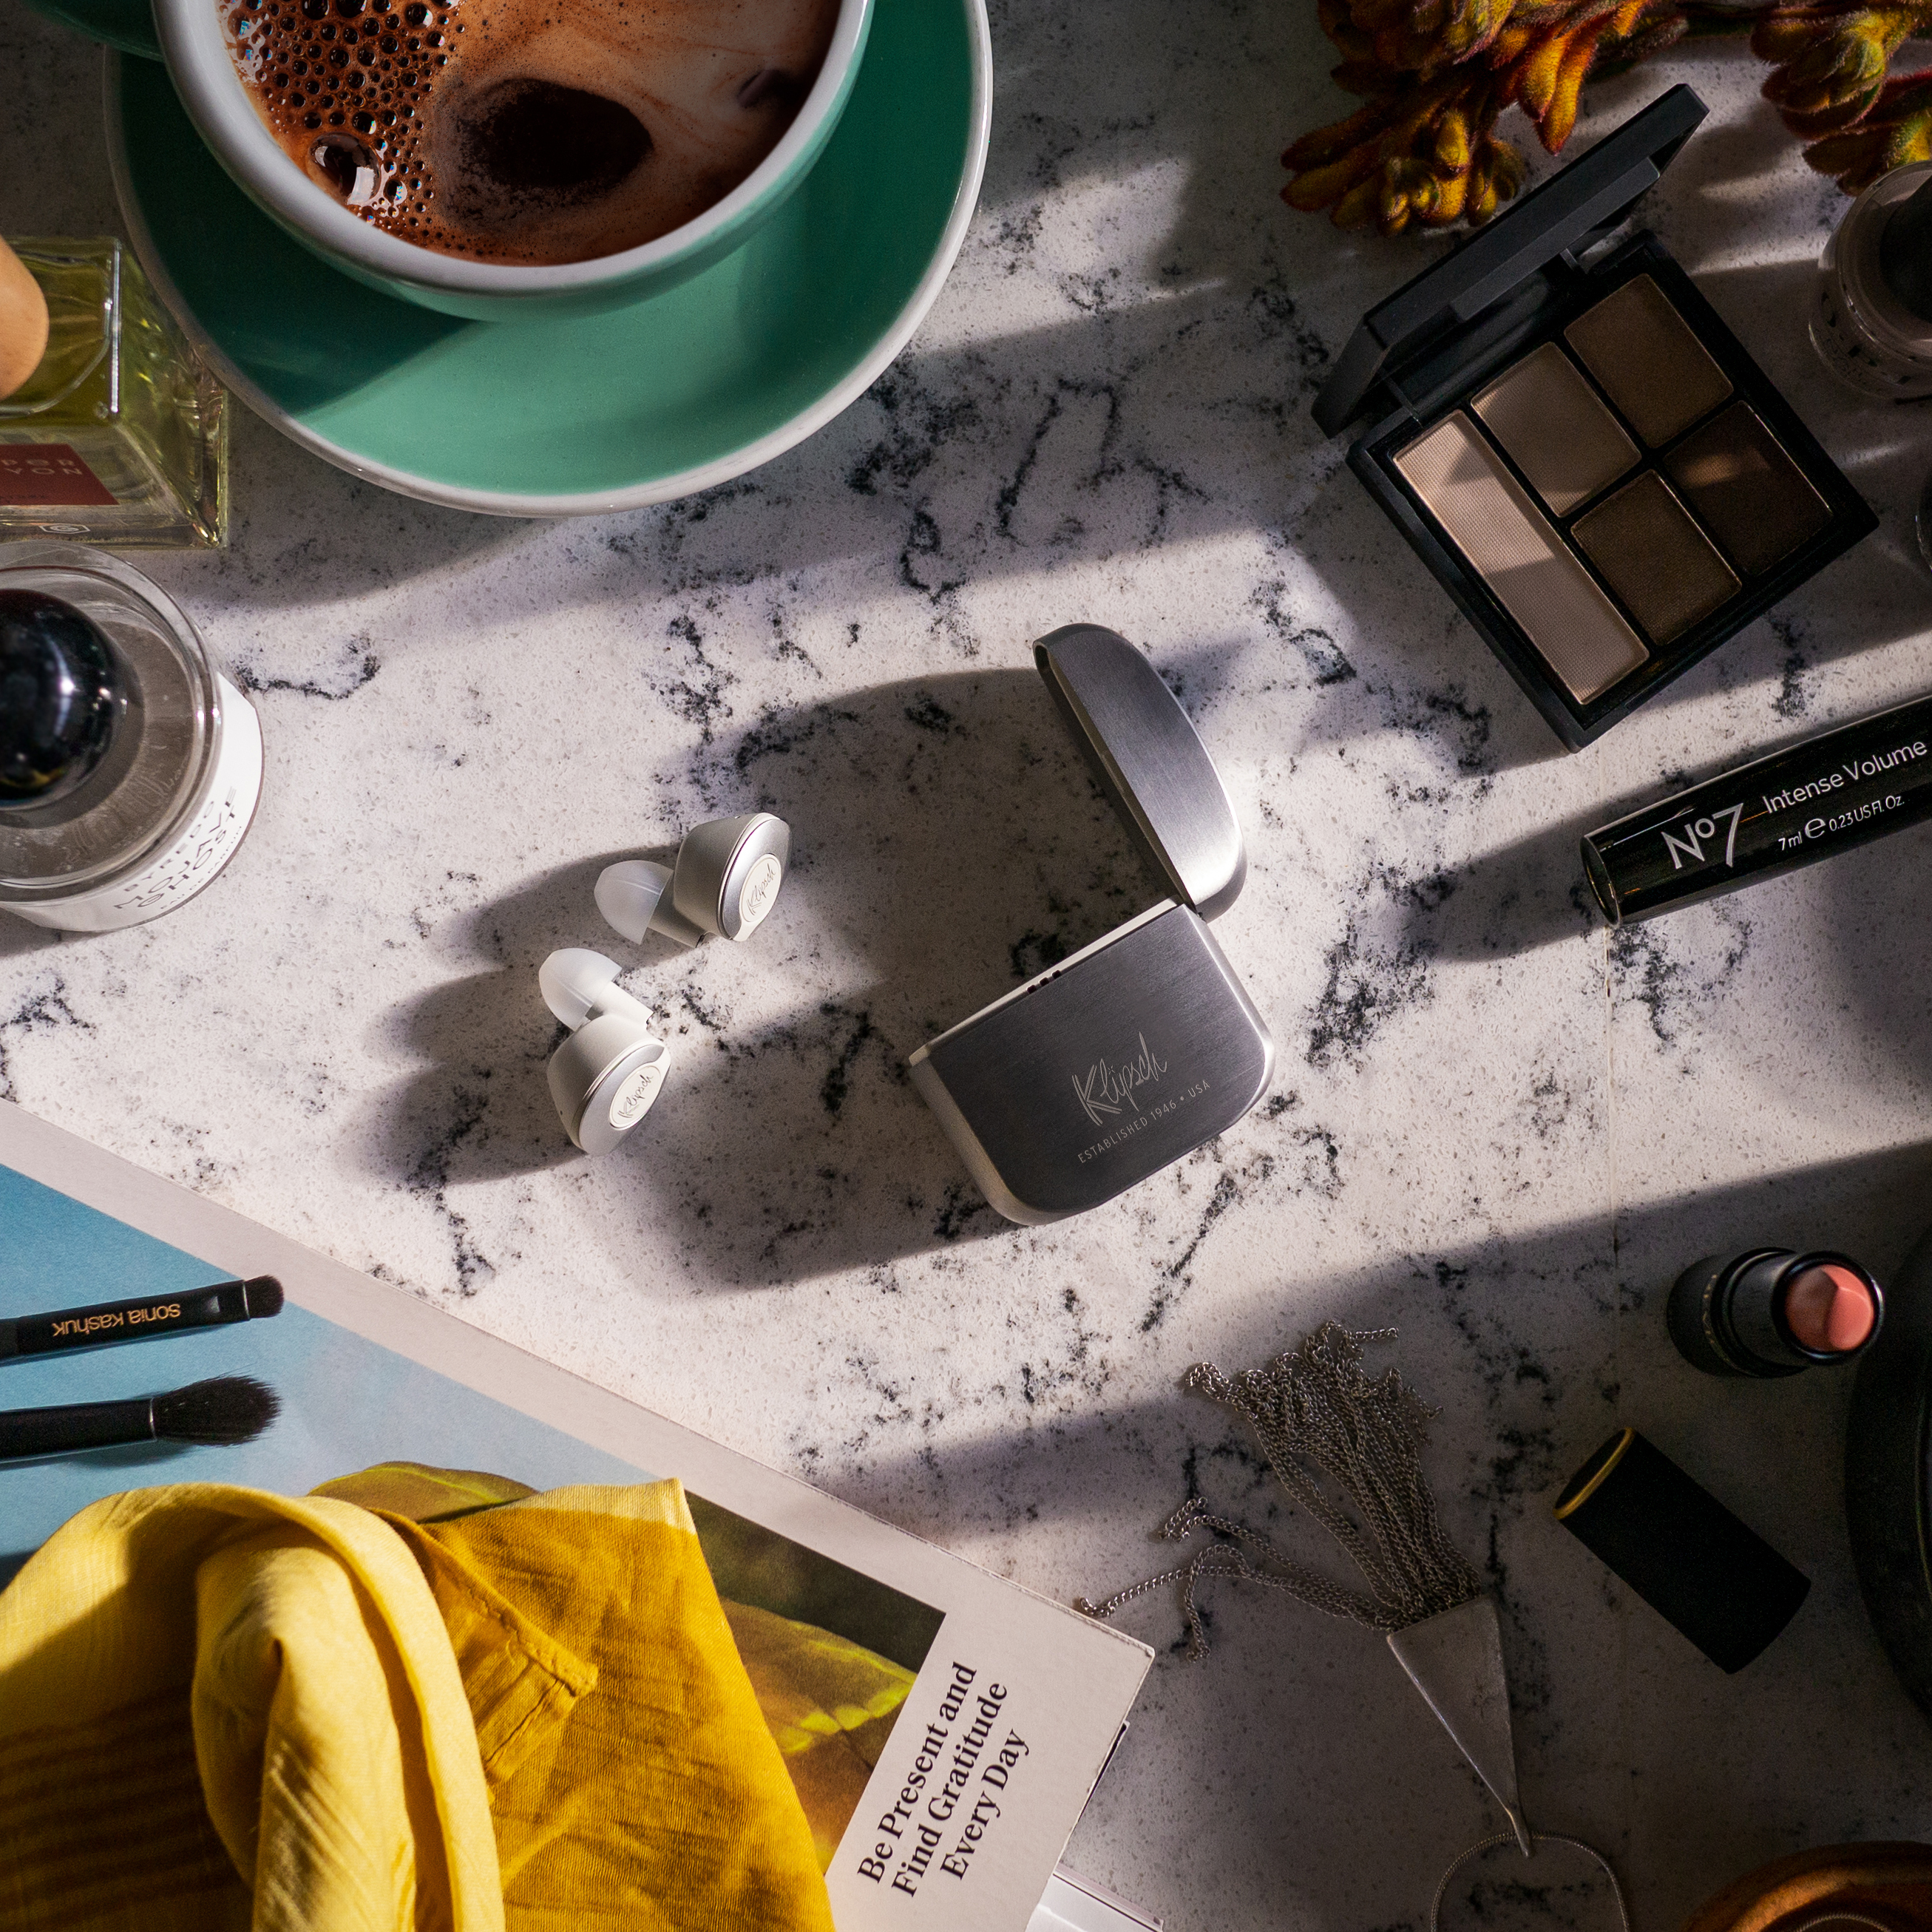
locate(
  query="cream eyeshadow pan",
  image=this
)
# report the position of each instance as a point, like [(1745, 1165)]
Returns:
[(1491, 519), (1555, 430), (1626, 512)]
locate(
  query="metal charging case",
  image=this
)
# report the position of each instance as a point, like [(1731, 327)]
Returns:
[(1131, 1053)]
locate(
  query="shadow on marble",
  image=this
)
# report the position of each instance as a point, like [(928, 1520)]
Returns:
[(1448, 1310), (1516, 899), (858, 1176), (1394, 682), (310, 537), (19, 937), (948, 844), (946, 829), (1031, 390), (1140, 89), (1867, 901), (1616, 1717), (1725, 151), (1519, 897), (480, 1108)]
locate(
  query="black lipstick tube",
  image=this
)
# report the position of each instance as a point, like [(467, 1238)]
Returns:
[(1681, 1550), (107, 1322), (1851, 786)]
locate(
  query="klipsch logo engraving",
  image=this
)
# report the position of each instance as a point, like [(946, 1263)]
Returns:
[(1105, 1089)]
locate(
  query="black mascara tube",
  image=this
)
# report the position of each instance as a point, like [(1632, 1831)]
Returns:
[(214, 1306), (1851, 786)]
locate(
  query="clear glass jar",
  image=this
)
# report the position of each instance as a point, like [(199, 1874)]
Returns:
[(120, 435), (167, 804), (1866, 336)]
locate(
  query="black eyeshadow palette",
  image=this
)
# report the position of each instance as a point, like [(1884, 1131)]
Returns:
[(1590, 462)]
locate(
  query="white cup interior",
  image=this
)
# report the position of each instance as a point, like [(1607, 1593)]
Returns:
[(195, 43)]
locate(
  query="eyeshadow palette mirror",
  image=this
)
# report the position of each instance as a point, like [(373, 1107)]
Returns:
[(1590, 462)]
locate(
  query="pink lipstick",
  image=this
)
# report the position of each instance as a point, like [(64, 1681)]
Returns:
[(1774, 1311)]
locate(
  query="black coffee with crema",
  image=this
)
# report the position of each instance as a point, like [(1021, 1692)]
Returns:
[(529, 131)]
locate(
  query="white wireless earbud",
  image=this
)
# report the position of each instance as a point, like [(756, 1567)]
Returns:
[(605, 1075), (726, 879)]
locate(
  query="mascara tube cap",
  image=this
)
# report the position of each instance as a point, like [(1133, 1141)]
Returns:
[(1720, 1583)]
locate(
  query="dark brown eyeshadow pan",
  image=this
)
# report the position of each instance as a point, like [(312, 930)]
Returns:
[(1649, 361), (1652, 554), (1746, 489)]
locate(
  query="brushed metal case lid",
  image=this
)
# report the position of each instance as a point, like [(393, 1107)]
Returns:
[(1150, 761), (1100, 1072)]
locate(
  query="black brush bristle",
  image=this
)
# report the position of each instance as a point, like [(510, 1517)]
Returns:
[(264, 1295), (221, 1411)]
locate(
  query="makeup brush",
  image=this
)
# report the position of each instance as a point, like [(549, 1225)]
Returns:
[(106, 1322), (220, 1412)]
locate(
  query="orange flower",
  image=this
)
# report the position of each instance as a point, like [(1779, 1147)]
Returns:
[(1895, 131), (1435, 74)]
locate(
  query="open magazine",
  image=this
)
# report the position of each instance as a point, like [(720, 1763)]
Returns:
[(984, 1712)]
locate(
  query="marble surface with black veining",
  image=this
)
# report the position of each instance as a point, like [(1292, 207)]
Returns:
[(1492, 1127)]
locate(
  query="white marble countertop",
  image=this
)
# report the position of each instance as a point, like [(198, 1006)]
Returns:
[(1491, 1126)]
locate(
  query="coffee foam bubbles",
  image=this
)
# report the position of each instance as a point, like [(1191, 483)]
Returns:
[(529, 131)]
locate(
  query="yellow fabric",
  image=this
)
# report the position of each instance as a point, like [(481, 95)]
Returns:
[(288, 1650), (533, 1716), (658, 1800), (830, 1706), (420, 1492), (645, 1502)]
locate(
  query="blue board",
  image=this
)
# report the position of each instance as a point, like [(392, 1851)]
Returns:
[(346, 1402)]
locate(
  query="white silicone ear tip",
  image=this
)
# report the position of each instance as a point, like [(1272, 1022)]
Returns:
[(571, 979), (627, 894)]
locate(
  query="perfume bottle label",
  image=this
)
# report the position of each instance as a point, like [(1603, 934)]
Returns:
[(32, 474)]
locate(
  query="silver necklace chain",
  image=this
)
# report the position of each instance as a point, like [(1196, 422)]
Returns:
[(1313, 1410), (1316, 1414), (1536, 1838)]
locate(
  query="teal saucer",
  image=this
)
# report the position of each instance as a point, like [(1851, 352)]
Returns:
[(560, 417)]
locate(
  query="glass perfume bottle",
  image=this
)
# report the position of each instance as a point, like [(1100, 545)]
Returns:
[(121, 434)]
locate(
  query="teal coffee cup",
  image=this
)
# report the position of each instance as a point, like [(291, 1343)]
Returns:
[(190, 37)]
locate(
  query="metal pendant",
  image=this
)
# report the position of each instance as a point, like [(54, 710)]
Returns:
[(1455, 1659)]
